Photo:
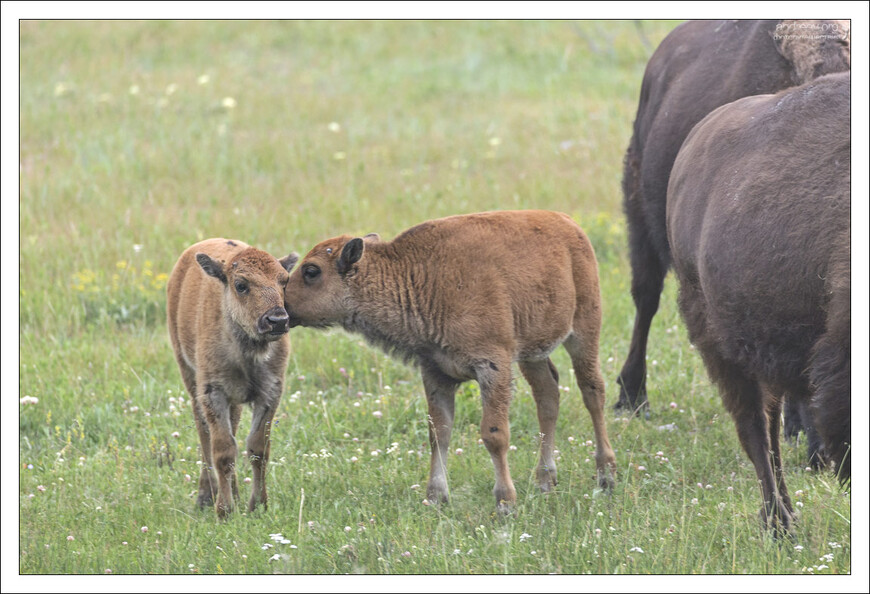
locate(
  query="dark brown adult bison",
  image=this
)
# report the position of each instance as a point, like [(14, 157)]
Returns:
[(228, 326), (758, 220), (464, 297), (698, 67)]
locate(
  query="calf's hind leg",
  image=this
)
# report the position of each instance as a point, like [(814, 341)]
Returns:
[(544, 381), (235, 417), (207, 483), (494, 378), (584, 356)]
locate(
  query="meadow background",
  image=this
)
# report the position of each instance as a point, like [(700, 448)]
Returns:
[(138, 139)]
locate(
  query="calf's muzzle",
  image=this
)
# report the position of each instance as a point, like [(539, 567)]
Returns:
[(274, 322)]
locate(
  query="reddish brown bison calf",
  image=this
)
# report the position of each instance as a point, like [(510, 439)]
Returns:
[(758, 219), (229, 331), (464, 297)]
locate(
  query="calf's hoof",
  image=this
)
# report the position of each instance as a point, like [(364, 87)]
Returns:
[(505, 508), (205, 501), (505, 500), (606, 480), (436, 492), (547, 478), (254, 503), (223, 510)]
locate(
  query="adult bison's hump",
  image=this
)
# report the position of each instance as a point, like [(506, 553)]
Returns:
[(758, 220)]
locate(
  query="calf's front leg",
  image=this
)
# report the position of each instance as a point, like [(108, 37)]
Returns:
[(440, 396), (259, 445), (224, 451)]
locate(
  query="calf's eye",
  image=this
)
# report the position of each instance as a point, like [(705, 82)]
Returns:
[(310, 273), (241, 287)]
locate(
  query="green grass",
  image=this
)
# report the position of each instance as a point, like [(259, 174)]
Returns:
[(130, 150)]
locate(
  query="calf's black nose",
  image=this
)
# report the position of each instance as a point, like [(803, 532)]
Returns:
[(275, 321)]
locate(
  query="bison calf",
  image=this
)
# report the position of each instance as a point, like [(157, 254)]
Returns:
[(464, 297), (229, 329), (758, 215)]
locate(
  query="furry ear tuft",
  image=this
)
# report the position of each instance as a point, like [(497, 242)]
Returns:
[(350, 255), (289, 261), (211, 267)]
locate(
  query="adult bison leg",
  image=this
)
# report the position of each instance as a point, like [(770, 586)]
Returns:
[(792, 421), (586, 369), (749, 407), (774, 411), (440, 396), (544, 381), (647, 280), (797, 417), (815, 449), (494, 378), (258, 445)]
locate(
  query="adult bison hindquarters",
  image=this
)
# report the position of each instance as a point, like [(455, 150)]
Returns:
[(228, 327), (700, 65), (464, 297), (758, 220)]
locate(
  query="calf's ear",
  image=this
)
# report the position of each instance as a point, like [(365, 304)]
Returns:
[(374, 237), (350, 255), (211, 267), (289, 261)]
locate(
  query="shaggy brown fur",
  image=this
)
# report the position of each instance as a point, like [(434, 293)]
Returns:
[(700, 66), (229, 329), (464, 297), (758, 219)]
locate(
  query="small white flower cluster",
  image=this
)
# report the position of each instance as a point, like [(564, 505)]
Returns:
[(173, 409), (28, 400), (278, 537), (324, 453)]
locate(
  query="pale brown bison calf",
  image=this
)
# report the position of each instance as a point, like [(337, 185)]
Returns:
[(464, 297), (229, 331)]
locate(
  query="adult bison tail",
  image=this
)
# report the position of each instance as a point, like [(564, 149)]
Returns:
[(831, 377)]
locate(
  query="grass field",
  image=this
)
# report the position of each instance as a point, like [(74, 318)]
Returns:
[(140, 138)]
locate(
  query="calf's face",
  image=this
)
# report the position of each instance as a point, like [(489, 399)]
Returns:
[(253, 291), (317, 294)]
